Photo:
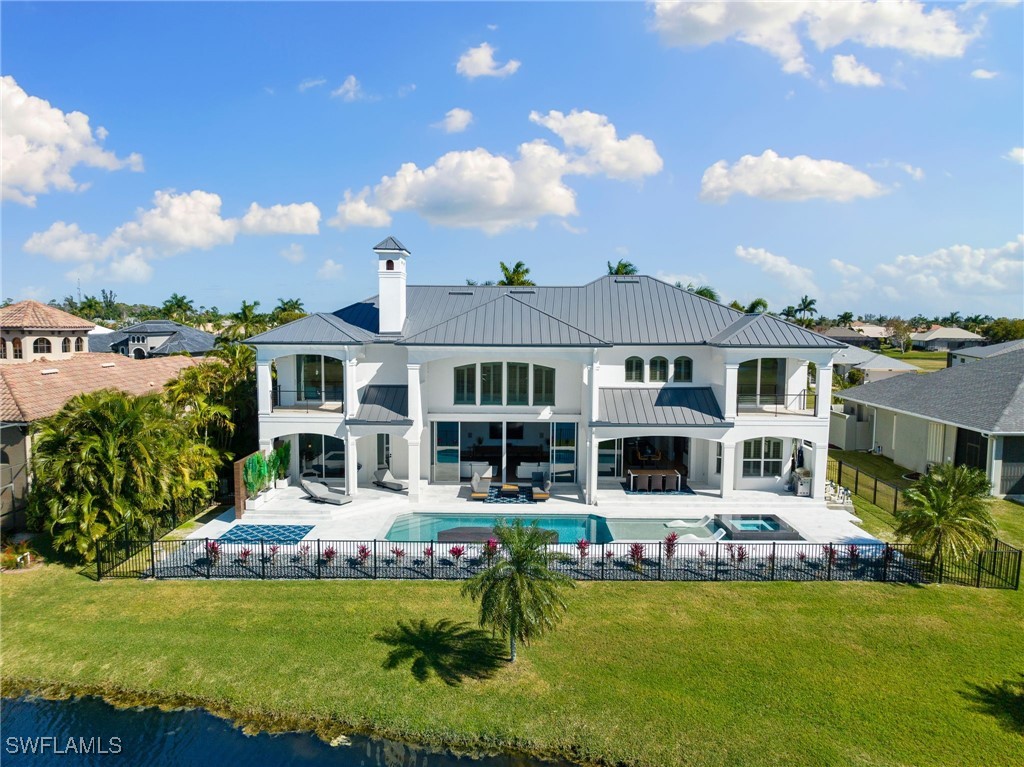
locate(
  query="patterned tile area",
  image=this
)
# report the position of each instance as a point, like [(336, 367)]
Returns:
[(269, 533), (495, 496)]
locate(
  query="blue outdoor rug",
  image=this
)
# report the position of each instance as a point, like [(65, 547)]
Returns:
[(684, 490), (494, 496), (268, 533)]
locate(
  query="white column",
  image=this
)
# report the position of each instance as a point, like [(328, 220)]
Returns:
[(728, 469), (414, 469), (819, 472), (416, 432), (263, 386), (732, 374), (591, 478), (823, 400), (351, 391), (351, 464)]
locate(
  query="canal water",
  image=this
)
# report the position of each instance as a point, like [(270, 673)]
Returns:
[(148, 737)]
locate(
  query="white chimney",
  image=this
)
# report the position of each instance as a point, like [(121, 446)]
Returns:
[(391, 255)]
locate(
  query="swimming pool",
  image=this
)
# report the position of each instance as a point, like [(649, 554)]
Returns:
[(465, 528)]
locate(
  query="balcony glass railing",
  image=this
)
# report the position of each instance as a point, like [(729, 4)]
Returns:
[(802, 403), (309, 399)]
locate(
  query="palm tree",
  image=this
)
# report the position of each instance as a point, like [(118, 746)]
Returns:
[(757, 306), (947, 514), (518, 274), (90, 308), (245, 322), (844, 319), (951, 319), (519, 595), (789, 313), (178, 308), (623, 267), (704, 291), (806, 307), (287, 310)]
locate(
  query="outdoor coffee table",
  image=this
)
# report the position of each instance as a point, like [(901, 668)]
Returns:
[(510, 491)]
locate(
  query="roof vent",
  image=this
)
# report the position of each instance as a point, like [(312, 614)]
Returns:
[(107, 365), (49, 371), (460, 292), (523, 292), (627, 280)]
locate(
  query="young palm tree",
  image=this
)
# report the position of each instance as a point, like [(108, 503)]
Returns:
[(519, 595), (844, 319), (287, 310), (806, 307), (947, 513), (789, 313), (757, 306), (517, 274), (178, 308), (704, 291), (623, 267), (245, 322)]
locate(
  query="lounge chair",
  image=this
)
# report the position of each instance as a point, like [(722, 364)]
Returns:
[(540, 490), (702, 522), (320, 493), (383, 478), (480, 488)]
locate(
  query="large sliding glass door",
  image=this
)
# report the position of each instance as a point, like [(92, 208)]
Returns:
[(321, 456), (513, 451), (761, 382), (446, 451), (319, 379)]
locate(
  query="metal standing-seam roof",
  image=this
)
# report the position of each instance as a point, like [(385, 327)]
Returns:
[(987, 395), (383, 405), (390, 243), (766, 330), (869, 360), (993, 350), (180, 338), (317, 328), (665, 406)]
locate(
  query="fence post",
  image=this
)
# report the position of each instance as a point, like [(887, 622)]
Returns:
[(318, 559), (99, 560), (604, 562), (263, 562), (209, 560), (856, 482), (839, 476), (874, 492), (152, 554), (942, 567), (828, 559), (977, 583), (433, 554), (773, 562), (895, 499), (375, 558), (886, 554), (715, 578), (660, 548)]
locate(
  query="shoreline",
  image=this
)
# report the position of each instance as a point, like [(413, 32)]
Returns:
[(331, 730)]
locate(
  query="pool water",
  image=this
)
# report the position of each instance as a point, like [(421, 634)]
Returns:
[(756, 525), (657, 529), (427, 526)]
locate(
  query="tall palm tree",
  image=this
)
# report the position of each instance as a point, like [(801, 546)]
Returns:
[(517, 274), (247, 321), (623, 267), (178, 308), (287, 310), (806, 307), (519, 595), (704, 291), (789, 313), (951, 319), (844, 319), (947, 513)]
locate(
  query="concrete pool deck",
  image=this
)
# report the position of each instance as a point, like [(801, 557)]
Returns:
[(373, 511)]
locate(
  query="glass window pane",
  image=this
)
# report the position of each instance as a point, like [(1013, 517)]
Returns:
[(635, 369), (311, 454), (334, 457), (308, 379), (518, 383), (334, 379), (746, 381), (490, 383), (772, 468), (751, 468), (770, 370), (683, 372), (752, 448), (659, 369), (543, 385), (465, 385), (773, 448)]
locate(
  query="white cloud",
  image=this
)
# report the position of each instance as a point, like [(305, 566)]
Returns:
[(572, 229), (771, 177), (681, 278), (848, 71), (41, 146), (312, 82), (603, 151), (1015, 155), (298, 218), (455, 120), (915, 173), (478, 189), (294, 254), (350, 90), (493, 27), (846, 271), (776, 28), (329, 270), (984, 74), (176, 223), (794, 277), (479, 62), (405, 90), (356, 211)]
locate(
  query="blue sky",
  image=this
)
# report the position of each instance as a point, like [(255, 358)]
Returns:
[(867, 155)]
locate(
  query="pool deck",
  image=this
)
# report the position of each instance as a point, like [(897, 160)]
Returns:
[(373, 510)]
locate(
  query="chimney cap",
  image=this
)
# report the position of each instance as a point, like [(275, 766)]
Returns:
[(390, 245)]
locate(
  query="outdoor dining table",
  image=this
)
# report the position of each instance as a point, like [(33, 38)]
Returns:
[(634, 473)]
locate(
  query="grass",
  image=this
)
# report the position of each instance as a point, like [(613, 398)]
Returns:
[(876, 465), (929, 362), (638, 674)]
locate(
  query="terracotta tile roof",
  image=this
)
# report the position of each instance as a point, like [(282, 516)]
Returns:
[(32, 314), (32, 390)]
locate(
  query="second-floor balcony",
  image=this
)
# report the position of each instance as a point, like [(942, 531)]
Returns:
[(309, 400), (802, 403)]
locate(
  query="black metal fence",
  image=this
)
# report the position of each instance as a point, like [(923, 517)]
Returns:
[(869, 487), (997, 568)]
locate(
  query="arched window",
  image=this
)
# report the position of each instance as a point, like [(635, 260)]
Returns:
[(65, 346), (683, 372), (41, 346), (3, 349), (16, 349), (139, 354), (389, 266), (79, 344), (635, 369), (659, 369)]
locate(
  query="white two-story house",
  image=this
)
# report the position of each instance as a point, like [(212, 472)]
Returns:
[(583, 383)]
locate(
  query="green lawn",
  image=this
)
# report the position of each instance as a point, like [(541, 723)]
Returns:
[(876, 465), (929, 362), (642, 674), (1009, 516)]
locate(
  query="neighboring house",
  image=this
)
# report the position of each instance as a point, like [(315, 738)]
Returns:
[(31, 331), (976, 353), (579, 384), (155, 338), (874, 367), (878, 332), (39, 389), (940, 339), (967, 414), (851, 337)]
